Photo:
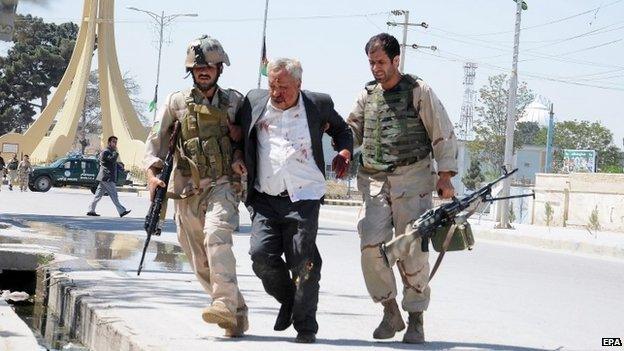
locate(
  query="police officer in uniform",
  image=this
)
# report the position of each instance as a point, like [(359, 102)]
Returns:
[(400, 124), (202, 186)]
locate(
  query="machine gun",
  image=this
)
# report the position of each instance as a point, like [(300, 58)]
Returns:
[(446, 218), (153, 223)]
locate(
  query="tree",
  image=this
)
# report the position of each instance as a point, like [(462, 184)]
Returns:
[(526, 133), (584, 135), (490, 127), (34, 65), (473, 176), (91, 122)]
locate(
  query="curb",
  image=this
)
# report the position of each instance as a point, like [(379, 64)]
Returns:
[(340, 202), (16, 336), (571, 246)]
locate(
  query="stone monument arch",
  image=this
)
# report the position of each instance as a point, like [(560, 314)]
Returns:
[(45, 140)]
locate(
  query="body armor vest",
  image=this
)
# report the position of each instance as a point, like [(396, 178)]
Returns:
[(394, 134), (204, 140)]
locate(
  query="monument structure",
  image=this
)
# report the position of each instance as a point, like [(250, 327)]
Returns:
[(53, 133)]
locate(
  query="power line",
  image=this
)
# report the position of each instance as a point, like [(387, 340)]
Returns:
[(232, 20), (538, 55), (550, 22), (459, 58)]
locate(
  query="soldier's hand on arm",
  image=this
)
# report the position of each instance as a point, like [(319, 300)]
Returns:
[(153, 182), (445, 187), (238, 166)]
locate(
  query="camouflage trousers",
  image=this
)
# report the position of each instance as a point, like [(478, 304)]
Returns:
[(12, 177), (205, 224), (23, 181), (391, 201)]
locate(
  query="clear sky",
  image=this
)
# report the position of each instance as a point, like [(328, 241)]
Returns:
[(571, 51)]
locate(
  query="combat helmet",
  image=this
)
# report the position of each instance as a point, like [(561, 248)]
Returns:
[(204, 51)]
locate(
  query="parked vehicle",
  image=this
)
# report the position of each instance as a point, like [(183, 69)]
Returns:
[(74, 171)]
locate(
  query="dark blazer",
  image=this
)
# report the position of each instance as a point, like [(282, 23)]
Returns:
[(319, 110), (108, 166)]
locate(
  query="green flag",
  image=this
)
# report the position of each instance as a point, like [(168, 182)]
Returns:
[(152, 106)]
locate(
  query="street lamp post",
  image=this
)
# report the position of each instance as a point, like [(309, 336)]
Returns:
[(162, 21)]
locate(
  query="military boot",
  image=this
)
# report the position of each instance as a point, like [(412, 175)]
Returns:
[(242, 324), (415, 333), (391, 322), (218, 313)]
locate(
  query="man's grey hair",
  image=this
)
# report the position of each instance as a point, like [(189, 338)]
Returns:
[(292, 66)]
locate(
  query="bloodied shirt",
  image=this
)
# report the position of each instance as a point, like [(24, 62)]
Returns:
[(285, 159)]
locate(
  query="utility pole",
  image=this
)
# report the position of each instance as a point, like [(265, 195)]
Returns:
[(161, 21), (511, 120), (549, 139), (405, 24)]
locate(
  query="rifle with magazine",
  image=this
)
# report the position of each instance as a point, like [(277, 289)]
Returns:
[(153, 222), (446, 225)]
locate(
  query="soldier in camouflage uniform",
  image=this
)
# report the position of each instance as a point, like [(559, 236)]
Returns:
[(399, 123), (12, 171), (23, 171), (202, 186)]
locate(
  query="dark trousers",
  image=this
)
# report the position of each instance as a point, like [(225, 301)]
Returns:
[(278, 227)]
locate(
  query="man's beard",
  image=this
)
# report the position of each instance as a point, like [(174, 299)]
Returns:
[(207, 86)]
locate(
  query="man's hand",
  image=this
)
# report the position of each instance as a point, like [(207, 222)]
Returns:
[(153, 182), (340, 164), (238, 166), (236, 132), (444, 186)]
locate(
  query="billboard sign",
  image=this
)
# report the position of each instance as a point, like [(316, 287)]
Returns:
[(579, 161)]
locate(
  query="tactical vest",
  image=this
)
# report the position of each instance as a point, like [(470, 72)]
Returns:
[(394, 134), (204, 141)]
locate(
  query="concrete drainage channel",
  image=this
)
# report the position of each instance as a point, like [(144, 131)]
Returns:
[(26, 290), (35, 258)]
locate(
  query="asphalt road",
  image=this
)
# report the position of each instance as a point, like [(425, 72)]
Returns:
[(495, 297)]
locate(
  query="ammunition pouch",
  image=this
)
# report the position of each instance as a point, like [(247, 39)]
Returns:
[(461, 238)]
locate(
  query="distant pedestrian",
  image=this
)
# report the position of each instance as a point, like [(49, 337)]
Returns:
[(23, 171), (12, 170), (107, 176), (2, 171)]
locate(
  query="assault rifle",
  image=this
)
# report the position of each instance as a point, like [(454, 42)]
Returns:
[(153, 224), (446, 216)]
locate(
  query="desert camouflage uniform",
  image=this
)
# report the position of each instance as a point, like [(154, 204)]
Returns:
[(205, 221), (23, 170), (393, 197)]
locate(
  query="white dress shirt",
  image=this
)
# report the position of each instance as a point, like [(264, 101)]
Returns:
[(285, 160)]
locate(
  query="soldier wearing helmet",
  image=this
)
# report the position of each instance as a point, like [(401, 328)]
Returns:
[(202, 184)]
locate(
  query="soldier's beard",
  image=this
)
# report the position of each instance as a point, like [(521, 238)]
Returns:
[(207, 86)]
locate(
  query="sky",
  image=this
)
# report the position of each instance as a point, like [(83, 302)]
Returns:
[(570, 51)]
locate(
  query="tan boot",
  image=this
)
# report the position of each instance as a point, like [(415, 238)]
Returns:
[(218, 313), (242, 324), (415, 333), (391, 322)]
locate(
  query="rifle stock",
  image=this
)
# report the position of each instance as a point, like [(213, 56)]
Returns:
[(153, 224)]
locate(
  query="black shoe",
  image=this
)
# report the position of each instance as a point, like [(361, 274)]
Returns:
[(91, 213), (124, 213), (305, 338), (284, 318)]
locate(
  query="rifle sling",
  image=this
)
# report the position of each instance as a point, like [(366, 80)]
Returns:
[(447, 241)]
